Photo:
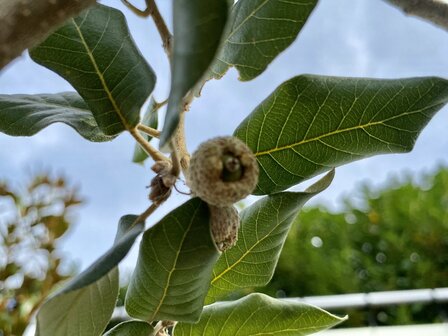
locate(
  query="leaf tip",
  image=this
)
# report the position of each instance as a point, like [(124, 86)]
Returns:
[(323, 183)]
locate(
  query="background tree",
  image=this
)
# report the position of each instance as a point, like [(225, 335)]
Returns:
[(32, 221), (394, 238)]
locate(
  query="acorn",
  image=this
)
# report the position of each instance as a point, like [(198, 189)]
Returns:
[(222, 171), (224, 225)]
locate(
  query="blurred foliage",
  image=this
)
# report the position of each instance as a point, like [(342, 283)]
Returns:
[(395, 238), (32, 220)]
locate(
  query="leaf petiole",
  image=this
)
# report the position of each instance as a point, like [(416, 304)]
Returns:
[(148, 148), (148, 130)]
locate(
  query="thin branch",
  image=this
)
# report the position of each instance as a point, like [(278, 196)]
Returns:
[(180, 156), (25, 23), (175, 159), (150, 150), (148, 212), (149, 130), (435, 11), (164, 32), (180, 144), (153, 11)]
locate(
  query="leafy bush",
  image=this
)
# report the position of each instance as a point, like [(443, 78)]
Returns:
[(309, 125), (397, 240)]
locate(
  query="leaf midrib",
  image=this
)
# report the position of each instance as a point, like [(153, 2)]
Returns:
[(69, 312), (101, 77), (173, 268), (230, 267), (349, 129), (236, 29)]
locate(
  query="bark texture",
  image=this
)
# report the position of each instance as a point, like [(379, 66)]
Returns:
[(25, 23), (435, 11)]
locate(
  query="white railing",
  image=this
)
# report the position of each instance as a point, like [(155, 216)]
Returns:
[(376, 299), (412, 330), (364, 300)]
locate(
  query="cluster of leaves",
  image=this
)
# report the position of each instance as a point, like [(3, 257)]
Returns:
[(307, 126), (398, 239), (31, 224)]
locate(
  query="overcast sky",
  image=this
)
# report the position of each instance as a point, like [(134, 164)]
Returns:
[(365, 38)]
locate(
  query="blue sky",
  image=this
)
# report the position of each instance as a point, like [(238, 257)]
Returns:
[(366, 38)]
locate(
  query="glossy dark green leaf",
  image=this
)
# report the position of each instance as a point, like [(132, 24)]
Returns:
[(85, 305), (25, 115), (151, 119), (174, 266), (259, 30), (131, 328), (96, 54), (198, 28), (311, 124), (264, 227), (259, 315)]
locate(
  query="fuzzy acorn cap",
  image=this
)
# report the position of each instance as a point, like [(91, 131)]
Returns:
[(223, 171), (224, 225)]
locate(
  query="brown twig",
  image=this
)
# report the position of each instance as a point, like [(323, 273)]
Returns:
[(179, 142), (153, 11), (435, 11), (175, 159), (148, 212), (25, 23), (179, 154)]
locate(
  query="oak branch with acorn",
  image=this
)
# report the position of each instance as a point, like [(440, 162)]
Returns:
[(204, 251)]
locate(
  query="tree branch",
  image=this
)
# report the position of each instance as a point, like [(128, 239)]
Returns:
[(25, 23), (179, 154), (167, 38), (153, 11), (145, 214), (435, 11), (180, 144)]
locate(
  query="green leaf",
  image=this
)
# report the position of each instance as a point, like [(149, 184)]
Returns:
[(259, 30), (174, 266), (198, 28), (258, 314), (85, 305), (85, 311), (151, 119), (96, 54), (263, 230), (311, 124), (25, 115), (131, 328), (262, 233)]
